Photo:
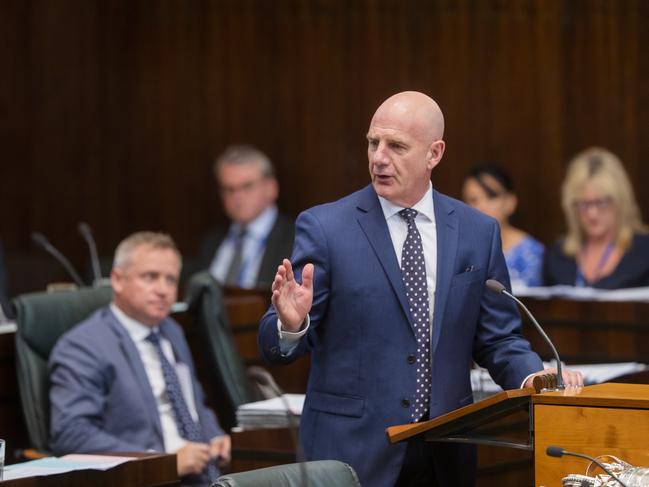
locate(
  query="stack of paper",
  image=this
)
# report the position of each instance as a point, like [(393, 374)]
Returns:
[(582, 293), (54, 465), (598, 373), (279, 412)]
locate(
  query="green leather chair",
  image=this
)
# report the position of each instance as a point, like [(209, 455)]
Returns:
[(321, 473), (41, 318), (205, 305)]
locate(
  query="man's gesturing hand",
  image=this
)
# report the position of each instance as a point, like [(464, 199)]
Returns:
[(292, 301)]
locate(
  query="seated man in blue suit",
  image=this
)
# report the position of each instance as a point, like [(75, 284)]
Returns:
[(386, 289), (124, 380)]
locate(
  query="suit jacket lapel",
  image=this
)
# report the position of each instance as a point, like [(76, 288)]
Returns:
[(135, 362), (372, 221), (447, 239)]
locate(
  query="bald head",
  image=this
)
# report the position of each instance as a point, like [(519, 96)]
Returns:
[(416, 112), (404, 145)]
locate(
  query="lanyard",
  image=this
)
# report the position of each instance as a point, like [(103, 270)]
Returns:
[(580, 280)]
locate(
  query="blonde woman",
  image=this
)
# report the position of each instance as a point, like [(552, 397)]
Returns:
[(607, 245)]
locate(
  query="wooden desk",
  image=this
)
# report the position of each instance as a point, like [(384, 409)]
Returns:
[(149, 470), (261, 448), (602, 419)]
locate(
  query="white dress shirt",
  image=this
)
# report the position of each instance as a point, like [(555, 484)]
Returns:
[(254, 245), (151, 361), (425, 222)]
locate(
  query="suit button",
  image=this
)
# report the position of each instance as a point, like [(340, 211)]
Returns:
[(405, 403), (412, 359)]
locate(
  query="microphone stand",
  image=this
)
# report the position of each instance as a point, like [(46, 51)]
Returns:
[(41, 240), (558, 452), (263, 377), (86, 233), (497, 287)]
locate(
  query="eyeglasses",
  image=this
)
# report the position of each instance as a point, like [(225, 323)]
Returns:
[(599, 204), (244, 188)]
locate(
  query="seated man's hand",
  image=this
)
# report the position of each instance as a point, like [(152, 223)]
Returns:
[(192, 458), (220, 449), (571, 378)]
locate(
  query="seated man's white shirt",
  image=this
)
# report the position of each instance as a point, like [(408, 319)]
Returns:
[(151, 361), (254, 246)]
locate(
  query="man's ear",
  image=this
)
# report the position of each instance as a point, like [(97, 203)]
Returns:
[(435, 153), (116, 277), (272, 189)]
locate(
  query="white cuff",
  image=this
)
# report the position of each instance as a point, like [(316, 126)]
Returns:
[(525, 380), (288, 336)]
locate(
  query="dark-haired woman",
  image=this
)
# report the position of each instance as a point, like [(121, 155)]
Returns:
[(489, 189)]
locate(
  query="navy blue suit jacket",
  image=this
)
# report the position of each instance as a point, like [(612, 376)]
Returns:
[(361, 334), (101, 399)]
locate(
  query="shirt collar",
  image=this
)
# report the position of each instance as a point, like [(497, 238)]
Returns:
[(424, 206), (260, 227), (138, 331)]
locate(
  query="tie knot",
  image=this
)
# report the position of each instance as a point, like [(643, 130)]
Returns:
[(240, 233), (154, 338), (408, 214)]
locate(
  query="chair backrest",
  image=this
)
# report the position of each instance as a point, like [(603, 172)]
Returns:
[(41, 318), (321, 473), (205, 305)]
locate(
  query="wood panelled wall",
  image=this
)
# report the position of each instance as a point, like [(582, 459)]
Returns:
[(112, 111)]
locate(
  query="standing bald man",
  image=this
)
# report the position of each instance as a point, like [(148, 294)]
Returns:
[(386, 289)]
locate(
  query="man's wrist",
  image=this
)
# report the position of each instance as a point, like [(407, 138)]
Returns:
[(293, 335)]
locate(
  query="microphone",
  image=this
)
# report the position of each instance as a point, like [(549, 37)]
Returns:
[(41, 240), (498, 288), (262, 377), (86, 233), (558, 452)]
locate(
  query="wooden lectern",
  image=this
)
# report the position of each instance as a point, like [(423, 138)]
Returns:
[(610, 419)]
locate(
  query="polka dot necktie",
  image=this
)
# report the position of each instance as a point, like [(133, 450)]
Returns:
[(187, 427), (413, 272)]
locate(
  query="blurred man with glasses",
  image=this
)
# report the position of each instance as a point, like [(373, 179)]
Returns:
[(246, 253)]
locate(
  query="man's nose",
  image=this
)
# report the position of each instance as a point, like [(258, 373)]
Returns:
[(379, 157), (162, 286)]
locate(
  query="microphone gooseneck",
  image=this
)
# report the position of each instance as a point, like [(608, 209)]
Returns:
[(558, 452), (41, 241), (86, 233), (498, 288), (262, 377)]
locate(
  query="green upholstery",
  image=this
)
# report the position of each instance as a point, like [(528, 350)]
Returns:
[(205, 304), (41, 318), (321, 473)]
